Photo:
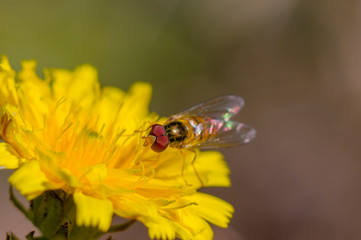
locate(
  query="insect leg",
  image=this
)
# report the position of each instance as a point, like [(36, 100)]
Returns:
[(183, 166), (140, 129), (194, 167), (149, 140)]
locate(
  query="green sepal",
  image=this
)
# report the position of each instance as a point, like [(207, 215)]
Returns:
[(30, 235), (45, 211), (54, 213), (11, 236)]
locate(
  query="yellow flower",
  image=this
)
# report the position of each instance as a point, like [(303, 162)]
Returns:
[(66, 133)]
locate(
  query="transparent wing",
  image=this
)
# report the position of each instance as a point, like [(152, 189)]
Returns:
[(223, 134), (223, 108)]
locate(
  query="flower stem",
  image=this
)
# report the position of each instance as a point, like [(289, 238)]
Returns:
[(16, 202)]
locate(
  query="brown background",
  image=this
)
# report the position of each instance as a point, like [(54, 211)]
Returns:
[(296, 63)]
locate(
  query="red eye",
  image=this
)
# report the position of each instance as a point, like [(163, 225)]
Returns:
[(157, 130), (160, 144), (161, 138)]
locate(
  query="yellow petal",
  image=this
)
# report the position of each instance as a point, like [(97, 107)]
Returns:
[(135, 105), (193, 227), (110, 103), (11, 126), (67, 177), (93, 212), (5, 66), (213, 169), (209, 166), (212, 209), (30, 180), (161, 228), (8, 157), (136, 206), (28, 77), (80, 86), (96, 173), (7, 83)]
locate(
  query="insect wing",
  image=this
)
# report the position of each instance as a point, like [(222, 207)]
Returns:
[(223, 108), (225, 134)]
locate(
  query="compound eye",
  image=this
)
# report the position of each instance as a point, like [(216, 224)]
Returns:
[(160, 144), (157, 130)]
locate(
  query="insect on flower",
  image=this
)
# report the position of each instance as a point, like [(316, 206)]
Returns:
[(205, 126)]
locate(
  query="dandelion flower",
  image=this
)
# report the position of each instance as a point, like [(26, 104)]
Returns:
[(65, 133)]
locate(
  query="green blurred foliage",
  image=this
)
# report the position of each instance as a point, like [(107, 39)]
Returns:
[(126, 41)]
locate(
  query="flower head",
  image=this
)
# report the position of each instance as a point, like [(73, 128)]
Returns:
[(66, 133)]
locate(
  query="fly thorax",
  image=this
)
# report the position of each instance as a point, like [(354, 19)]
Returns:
[(176, 131)]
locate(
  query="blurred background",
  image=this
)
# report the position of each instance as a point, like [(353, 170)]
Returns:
[(295, 62)]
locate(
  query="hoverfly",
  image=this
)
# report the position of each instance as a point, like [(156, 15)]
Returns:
[(204, 126)]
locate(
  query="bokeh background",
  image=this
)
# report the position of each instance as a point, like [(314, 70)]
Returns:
[(295, 62)]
